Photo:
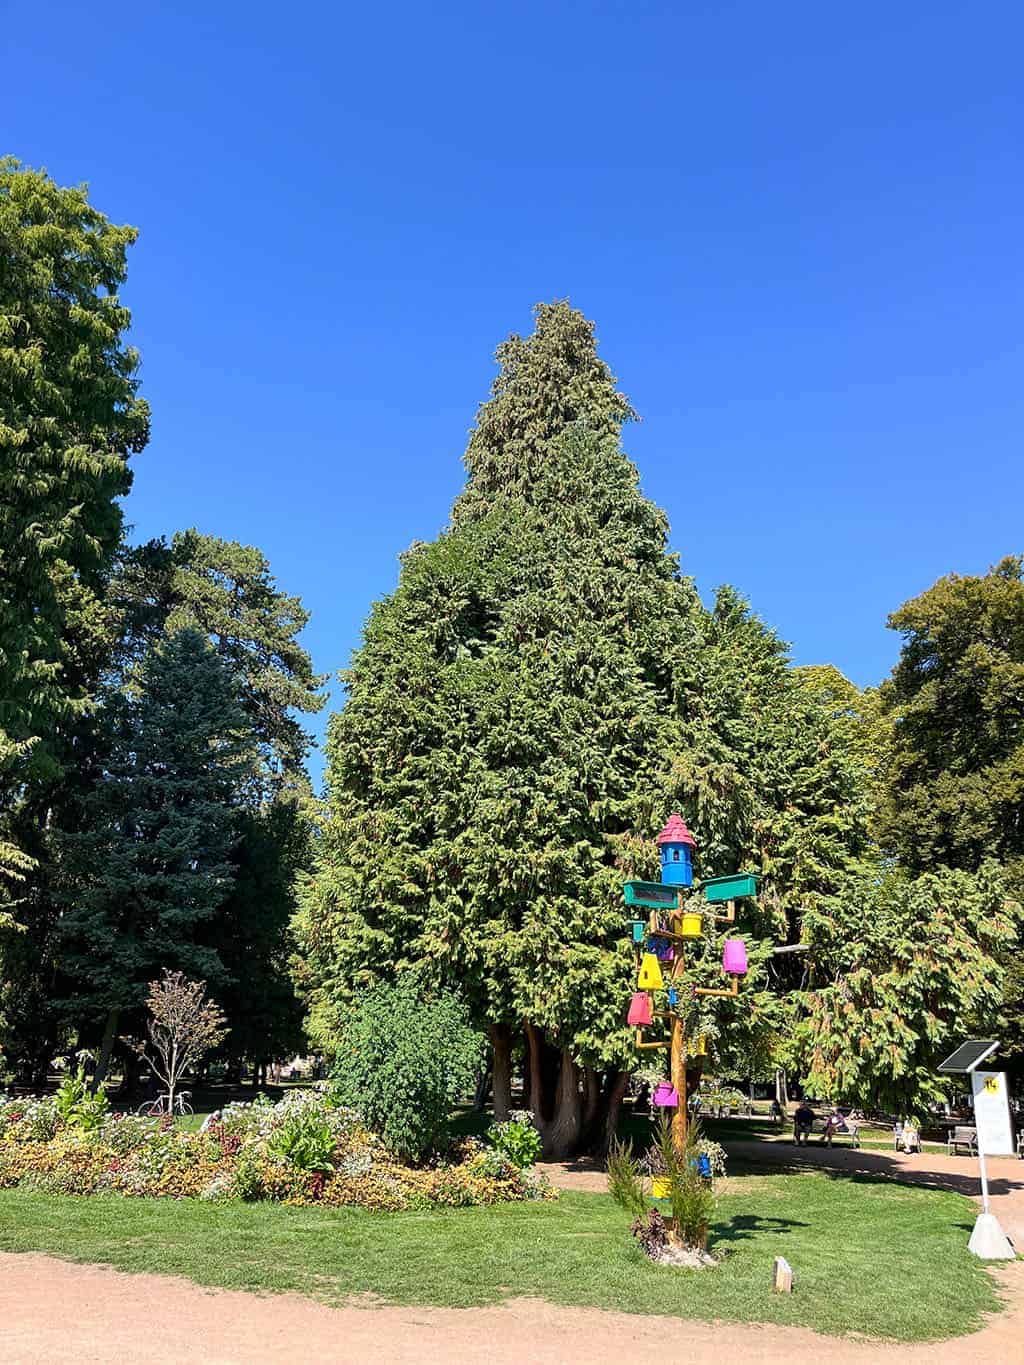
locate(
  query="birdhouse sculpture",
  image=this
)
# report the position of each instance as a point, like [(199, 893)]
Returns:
[(734, 957), (675, 845), (692, 926), (665, 1096), (640, 1010), (650, 973), (639, 931)]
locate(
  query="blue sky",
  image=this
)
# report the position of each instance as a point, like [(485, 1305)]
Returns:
[(797, 227)]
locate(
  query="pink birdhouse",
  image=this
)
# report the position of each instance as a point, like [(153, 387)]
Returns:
[(640, 1010), (734, 957), (665, 1096)]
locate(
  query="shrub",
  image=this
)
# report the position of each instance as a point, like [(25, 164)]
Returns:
[(517, 1138), (690, 1193), (305, 1140), (76, 1106), (403, 1061)]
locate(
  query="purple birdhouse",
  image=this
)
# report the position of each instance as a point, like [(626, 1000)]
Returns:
[(734, 957), (665, 1096)]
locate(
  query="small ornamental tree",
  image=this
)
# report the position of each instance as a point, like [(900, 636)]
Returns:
[(184, 1026)]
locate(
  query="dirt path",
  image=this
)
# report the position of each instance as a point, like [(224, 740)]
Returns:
[(53, 1312)]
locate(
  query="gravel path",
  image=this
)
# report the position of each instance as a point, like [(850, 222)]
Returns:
[(52, 1311)]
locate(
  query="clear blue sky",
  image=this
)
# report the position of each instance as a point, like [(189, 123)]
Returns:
[(798, 228)]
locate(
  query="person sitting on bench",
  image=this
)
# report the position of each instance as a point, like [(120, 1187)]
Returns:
[(803, 1121)]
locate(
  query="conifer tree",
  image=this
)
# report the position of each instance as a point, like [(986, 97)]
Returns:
[(70, 419), (542, 688), (150, 864)]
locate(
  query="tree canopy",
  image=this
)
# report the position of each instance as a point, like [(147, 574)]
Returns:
[(542, 687), (70, 419), (954, 787)]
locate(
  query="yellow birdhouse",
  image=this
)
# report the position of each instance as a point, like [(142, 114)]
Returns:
[(650, 973), (701, 1050), (692, 926)]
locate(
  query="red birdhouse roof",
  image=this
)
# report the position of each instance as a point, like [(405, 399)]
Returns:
[(675, 832)]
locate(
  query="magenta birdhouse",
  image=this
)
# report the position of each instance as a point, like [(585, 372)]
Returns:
[(640, 1010), (665, 1096), (734, 957)]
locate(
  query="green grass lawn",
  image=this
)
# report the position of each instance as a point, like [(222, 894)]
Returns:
[(879, 1259)]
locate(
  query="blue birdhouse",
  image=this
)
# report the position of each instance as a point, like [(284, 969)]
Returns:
[(675, 845)]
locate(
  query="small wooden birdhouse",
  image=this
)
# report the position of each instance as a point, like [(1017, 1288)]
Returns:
[(675, 845), (665, 1096), (640, 1010), (692, 926), (734, 957), (650, 973)]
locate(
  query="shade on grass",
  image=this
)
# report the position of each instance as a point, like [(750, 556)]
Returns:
[(880, 1259)]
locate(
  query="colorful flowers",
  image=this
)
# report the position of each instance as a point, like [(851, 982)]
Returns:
[(250, 1151)]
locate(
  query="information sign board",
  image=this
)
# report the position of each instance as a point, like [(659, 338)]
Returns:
[(992, 1112)]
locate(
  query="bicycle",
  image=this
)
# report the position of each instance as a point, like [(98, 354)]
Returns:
[(158, 1108)]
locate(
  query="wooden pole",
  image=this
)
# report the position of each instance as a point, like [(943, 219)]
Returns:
[(678, 1055)]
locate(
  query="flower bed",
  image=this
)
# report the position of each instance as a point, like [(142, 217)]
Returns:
[(302, 1150)]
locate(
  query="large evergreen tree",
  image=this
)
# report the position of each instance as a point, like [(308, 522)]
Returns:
[(70, 419), (951, 783), (149, 866), (953, 789), (227, 591), (542, 688)]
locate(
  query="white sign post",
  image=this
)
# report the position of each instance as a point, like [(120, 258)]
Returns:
[(995, 1137)]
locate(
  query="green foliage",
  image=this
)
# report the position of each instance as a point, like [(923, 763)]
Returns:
[(403, 1059), (954, 773), (517, 1139), (305, 1140), (226, 591), (77, 1106), (70, 422), (526, 708), (150, 864), (691, 1195), (903, 969), (625, 1182)]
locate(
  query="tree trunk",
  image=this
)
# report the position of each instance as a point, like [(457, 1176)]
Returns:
[(106, 1047), (483, 1088), (554, 1095), (501, 1085), (617, 1088), (130, 1076), (781, 1091)]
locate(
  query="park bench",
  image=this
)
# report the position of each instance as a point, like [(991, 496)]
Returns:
[(962, 1137), (845, 1130)]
